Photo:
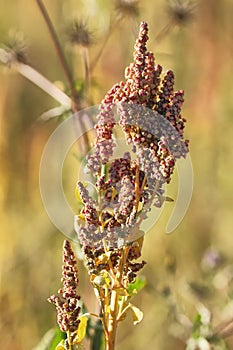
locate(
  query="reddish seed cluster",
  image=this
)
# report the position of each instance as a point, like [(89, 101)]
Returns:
[(142, 90), (148, 110), (67, 304), (96, 265), (104, 129)]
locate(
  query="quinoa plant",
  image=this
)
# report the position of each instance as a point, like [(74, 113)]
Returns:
[(148, 111)]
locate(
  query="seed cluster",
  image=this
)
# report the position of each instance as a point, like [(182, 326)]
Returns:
[(98, 261), (148, 110), (114, 217), (67, 303)]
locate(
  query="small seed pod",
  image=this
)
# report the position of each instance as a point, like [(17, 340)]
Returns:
[(99, 281)]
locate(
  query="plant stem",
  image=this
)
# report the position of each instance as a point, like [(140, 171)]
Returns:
[(112, 27), (164, 32), (86, 66), (69, 340), (112, 321), (99, 54), (60, 54), (38, 79), (76, 104)]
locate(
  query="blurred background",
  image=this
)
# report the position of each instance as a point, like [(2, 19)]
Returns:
[(191, 267)]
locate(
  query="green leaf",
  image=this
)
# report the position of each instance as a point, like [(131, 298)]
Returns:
[(59, 336), (136, 286), (50, 339), (61, 345)]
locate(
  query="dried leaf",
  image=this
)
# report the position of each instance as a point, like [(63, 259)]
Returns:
[(136, 313)]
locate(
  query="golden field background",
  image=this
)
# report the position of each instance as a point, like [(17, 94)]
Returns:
[(200, 51)]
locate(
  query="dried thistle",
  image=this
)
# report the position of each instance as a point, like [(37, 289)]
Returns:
[(14, 55), (181, 11), (15, 50), (79, 34)]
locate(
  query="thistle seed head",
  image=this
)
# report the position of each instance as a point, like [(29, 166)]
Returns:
[(14, 51), (181, 11), (79, 34)]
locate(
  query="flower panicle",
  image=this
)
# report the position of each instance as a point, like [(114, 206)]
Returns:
[(149, 113), (68, 301), (143, 87)]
